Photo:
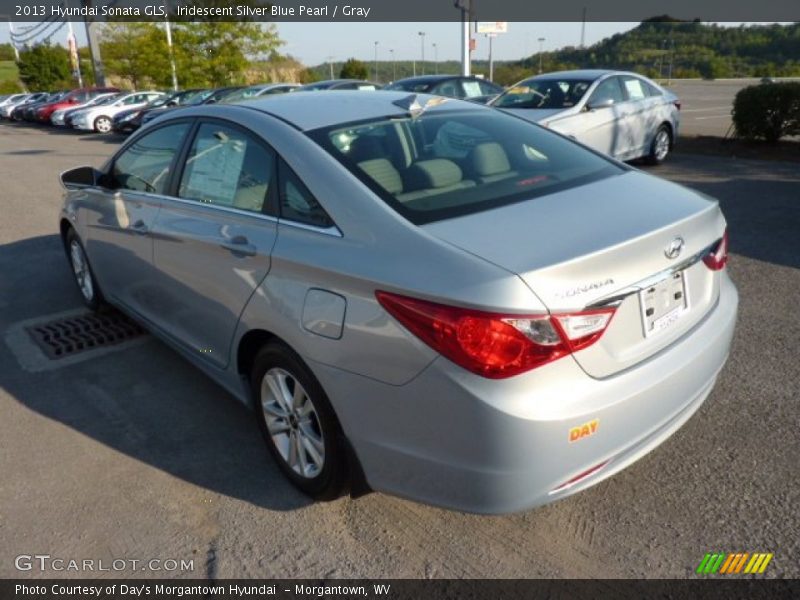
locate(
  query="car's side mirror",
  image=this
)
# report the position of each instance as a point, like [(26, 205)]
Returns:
[(172, 103), (601, 103), (81, 177)]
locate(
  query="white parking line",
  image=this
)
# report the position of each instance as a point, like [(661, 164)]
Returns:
[(711, 117)]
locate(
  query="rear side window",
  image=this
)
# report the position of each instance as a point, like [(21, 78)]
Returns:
[(296, 201), (145, 165), (227, 167), (447, 163), (635, 88)]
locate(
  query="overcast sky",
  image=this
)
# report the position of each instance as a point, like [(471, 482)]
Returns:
[(313, 43)]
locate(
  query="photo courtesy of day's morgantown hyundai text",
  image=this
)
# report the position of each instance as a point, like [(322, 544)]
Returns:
[(420, 295)]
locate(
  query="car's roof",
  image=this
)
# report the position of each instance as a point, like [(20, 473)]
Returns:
[(438, 77), (312, 111), (590, 74)]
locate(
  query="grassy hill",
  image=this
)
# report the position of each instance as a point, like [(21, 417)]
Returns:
[(694, 49)]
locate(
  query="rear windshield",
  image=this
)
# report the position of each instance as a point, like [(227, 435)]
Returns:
[(544, 93), (444, 164)]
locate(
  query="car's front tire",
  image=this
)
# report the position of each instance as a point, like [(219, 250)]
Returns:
[(82, 272), (298, 423), (660, 146), (102, 124)]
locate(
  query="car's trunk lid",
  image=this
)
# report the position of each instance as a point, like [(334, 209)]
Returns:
[(608, 240)]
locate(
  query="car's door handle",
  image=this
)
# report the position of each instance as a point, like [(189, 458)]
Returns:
[(239, 246), (139, 227)]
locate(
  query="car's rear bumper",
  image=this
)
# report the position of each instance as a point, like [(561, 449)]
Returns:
[(454, 439)]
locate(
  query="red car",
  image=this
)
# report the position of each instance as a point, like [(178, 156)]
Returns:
[(74, 98)]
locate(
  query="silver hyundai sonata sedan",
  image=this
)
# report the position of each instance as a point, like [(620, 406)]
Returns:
[(420, 296)]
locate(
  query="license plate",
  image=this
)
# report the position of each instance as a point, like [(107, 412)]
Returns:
[(663, 303)]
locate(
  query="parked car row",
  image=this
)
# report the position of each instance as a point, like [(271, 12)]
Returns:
[(106, 109), (621, 114)]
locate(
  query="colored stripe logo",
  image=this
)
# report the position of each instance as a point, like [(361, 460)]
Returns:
[(734, 563)]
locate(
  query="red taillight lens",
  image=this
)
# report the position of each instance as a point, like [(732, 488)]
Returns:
[(717, 258), (495, 345)]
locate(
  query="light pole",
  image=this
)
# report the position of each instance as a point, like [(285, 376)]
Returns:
[(671, 59), (169, 46), (376, 62), (394, 66), (330, 64), (541, 41), (661, 59), (422, 63), (435, 58)]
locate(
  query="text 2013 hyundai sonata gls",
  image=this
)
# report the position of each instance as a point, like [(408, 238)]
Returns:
[(434, 298)]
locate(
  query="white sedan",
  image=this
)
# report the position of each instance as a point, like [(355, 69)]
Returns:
[(98, 118), (621, 114)]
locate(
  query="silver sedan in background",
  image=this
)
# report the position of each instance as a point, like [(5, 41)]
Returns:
[(418, 295), (621, 114)]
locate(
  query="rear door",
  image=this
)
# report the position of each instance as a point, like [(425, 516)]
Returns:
[(213, 240), (638, 114)]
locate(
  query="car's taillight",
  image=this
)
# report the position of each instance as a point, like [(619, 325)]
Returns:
[(717, 257), (496, 345)]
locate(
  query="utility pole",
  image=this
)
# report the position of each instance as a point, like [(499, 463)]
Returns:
[(11, 38), (394, 65), (376, 62), (330, 64), (661, 59), (169, 46), (583, 27), (422, 40), (435, 59), (94, 48), (491, 37), (541, 41), (464, 6)]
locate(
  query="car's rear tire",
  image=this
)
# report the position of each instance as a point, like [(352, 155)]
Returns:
[(82, 272), (660, 146), (298, 423), (102, 124)]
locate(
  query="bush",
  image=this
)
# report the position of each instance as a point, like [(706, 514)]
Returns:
[(768, 111)]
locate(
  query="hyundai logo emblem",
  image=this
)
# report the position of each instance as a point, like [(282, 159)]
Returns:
[(674, 248)]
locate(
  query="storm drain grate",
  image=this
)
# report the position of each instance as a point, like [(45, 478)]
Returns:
[(72, 335)]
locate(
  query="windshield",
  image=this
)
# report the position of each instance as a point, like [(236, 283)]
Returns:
[(544, 93), (454, 162), (103, 100)]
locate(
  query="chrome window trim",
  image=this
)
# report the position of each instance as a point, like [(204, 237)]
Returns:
[(219, 207), (333, 230)]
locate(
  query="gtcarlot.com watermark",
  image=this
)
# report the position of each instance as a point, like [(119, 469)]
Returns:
[(47, 563)]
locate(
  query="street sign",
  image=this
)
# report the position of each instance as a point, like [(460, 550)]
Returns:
[(496, 27)]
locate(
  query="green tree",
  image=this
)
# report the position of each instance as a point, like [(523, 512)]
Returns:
[(44, 67), (136, 53), (354, 69), (218, 53)]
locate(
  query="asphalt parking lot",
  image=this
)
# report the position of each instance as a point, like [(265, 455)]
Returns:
[(135, 455), (706, 105)]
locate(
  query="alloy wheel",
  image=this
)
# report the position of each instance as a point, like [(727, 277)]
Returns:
[(661, 145), (293, 423), (80, 267)]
